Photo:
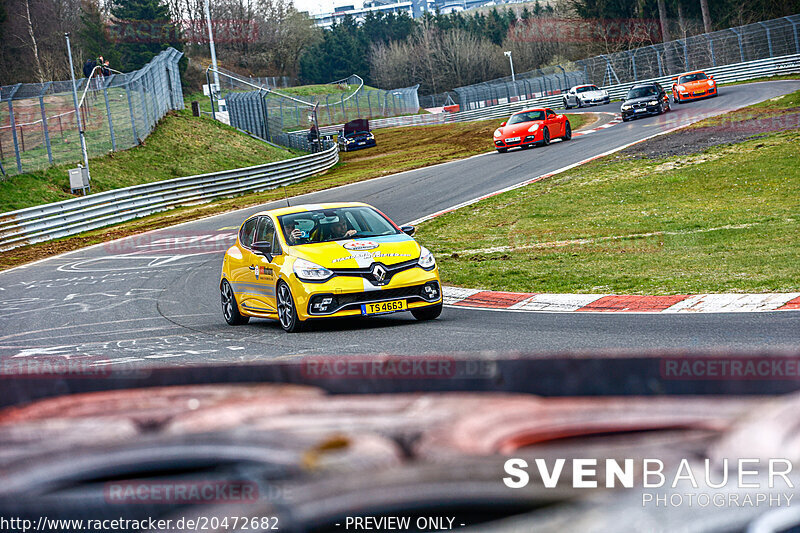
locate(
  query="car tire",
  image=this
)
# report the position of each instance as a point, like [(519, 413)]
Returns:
[(287, 311), (546, 137), (566, 105), (427, 313), (567, 131), (230, 309), (661, 110), (625, 119), (502, 150)]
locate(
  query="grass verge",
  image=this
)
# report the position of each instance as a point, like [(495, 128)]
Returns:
[(397, 151), (721, 220), (181, 145)]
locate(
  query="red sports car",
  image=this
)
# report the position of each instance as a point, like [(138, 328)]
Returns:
[(531, 127), (693, 86)]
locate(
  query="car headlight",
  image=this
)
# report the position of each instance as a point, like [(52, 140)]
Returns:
[(652, 102), (310, 271), (710, 83), (625, 107), (426, 259), (533, 128), (681, 88), (498, 133)]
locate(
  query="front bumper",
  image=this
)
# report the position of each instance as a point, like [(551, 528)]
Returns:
[(596, 101), (357, 145), (349, 293), (698, 95), (645, 112), (527, 140)]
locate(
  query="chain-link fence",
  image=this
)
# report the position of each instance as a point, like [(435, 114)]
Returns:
[(287, 119), (38, 126), (762, 40), (532, 84)]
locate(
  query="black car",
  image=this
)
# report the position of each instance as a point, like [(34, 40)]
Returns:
[(643, 100), (355, 135)]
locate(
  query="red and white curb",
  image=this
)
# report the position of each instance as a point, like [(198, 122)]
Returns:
[(616, 303), (613, 122)]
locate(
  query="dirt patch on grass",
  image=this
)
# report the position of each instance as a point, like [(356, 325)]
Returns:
[(732, 128)]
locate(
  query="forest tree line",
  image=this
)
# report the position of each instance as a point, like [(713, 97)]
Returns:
[(271, 38)]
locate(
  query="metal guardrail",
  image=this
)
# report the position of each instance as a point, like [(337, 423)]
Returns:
[(69, 217), (789, 64)]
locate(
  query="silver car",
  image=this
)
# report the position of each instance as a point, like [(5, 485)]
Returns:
[(585, 95)]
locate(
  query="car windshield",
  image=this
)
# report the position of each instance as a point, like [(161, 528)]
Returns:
[(324, 225), (697, 76), (587, 88), (528, 116), (641, 92)]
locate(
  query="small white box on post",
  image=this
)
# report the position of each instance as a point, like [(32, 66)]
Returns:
[(79, 179)]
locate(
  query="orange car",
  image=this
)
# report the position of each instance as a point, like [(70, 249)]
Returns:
[(531, 127), (693, 86)]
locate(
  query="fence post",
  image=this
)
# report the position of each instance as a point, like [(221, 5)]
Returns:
[(658, 58), (45, 131), (369, 105), (769, 38), (685, 54), (632, 55), (108, 112), (130, 109), (711, 48), (796, 39), (564, 73), (143, 100), (741, 46), (14, 126)]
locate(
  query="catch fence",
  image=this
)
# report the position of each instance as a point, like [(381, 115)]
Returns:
[(272, 115), (38, 127), (761, 40)]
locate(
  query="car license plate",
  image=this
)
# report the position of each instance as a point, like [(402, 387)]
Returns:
[(384, 307), (361, 144), (512, 140), (698, 93), (641, 110)]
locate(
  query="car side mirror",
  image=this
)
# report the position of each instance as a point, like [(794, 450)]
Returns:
[(409, 230), (263, 248), (711, 77), (674, 80), (502, 124)]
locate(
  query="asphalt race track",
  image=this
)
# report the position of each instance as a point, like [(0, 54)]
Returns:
[(154, 300)]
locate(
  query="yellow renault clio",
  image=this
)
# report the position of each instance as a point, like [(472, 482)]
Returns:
[(296, 264)]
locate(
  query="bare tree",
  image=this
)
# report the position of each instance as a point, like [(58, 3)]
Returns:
[(706, 16)]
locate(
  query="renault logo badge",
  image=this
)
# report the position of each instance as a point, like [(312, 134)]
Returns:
[(379, 273)]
